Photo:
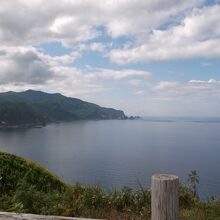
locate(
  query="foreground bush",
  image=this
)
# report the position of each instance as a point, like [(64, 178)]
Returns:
[(15, 171), (27, 187)]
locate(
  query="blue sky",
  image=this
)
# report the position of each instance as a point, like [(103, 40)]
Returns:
[(153, 58)]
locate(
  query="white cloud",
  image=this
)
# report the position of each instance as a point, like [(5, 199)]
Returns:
[(198, 36), (22, 65), (203, 82), (72, 29), (209, 86), (166, 85), (118, 74), (97, 47), (31, 22), (27, 67), (139, 92), (140, 16), (167, 98), (62, 60), (135, 82), (192, 88)]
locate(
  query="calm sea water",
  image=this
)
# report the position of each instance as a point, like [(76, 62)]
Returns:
[(116, 153)]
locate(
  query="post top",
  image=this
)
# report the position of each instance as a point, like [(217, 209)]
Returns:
[(165, 177)]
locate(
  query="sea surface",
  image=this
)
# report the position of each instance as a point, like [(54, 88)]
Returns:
[(115, 153)]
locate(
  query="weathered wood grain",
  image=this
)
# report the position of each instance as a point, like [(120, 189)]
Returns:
[(164, 197)]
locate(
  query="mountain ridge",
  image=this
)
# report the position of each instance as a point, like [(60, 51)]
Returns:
[(32, 107)]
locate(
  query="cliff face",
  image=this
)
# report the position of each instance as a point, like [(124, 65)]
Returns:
[(36, 107)]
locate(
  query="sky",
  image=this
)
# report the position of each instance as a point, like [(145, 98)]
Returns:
[(146, 57)]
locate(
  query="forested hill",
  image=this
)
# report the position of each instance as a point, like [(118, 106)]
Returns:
[(36, 107)]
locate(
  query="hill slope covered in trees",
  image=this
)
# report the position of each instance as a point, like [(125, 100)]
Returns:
[(36, 107)]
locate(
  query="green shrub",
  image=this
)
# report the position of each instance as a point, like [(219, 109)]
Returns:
[(27, 187), (14, 170)]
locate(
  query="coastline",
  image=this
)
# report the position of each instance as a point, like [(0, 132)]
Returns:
[(17, 126), (4, 125)]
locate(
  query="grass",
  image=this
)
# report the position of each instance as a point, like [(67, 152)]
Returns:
[(27, 187)]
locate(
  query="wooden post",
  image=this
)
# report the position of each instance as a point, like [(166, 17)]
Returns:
[(164, 197)]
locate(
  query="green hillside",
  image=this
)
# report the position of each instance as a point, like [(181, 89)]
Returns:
[(14, 171), (29, 188), (36, 107)]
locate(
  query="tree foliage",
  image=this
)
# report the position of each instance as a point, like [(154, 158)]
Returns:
[(35, 107)]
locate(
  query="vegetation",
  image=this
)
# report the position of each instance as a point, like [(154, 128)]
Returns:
[(35, 107), (193, 180), (27, 187)]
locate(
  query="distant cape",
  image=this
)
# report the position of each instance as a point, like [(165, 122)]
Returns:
[(38, 108)]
